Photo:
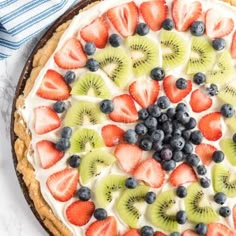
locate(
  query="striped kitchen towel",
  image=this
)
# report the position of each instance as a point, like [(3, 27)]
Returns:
[(20, 20)]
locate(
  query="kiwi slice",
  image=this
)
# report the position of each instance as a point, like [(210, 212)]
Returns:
[(128, 205), (84, 113), (202, 56), (91, 84), (197, 206), (162, 212), (228, 146), (116, 64), (107, 186), (174, 49), (93, 163), (231, 122), (224, 180), (223, 69), (145, 54), (85, 140), (228, 94)]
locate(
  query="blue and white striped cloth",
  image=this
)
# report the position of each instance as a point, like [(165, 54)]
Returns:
[(20, 20)]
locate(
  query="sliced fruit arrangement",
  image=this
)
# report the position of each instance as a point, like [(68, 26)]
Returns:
[(229, 148)]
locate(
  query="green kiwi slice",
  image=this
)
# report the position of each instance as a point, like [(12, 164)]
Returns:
[(85, 140), (91, 84), (202, 56), (198, 207), (128, 205), (106, 187), (93, 163), (162, 213), (228, 94), (145, 54), (228, 146)]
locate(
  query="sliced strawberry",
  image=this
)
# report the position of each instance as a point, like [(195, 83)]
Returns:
[(128, 162), (182, 174), (233, 46), (71, 55), (48, 154), (211, 126), (112, 135), (105, 227), (158, 233), (151, 172), (218, 26), (172, 92), (80, 212), (124, 109), (205, 152), (234, 215), (217, 229), (96, 32), (132, 232), (185, 13), (189, 232), (200, 101), (53, 87), (46, 120), (62, 184), (124, 18), (149, 12), (145, 93)]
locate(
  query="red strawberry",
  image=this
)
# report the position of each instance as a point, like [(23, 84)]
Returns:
[(234, 215), (80, 212), (205, 152), (128, 162), (105, 227), (217, 229), (189, 232), (48, 154), (96, 32), (211, 126), (200, 101), (71, 55), (158, 233), (132, 232), (149, 12), (112, 135), (218, 26), (233, 46), (150, 172), (145, 93), (172, 92), (124, 18), (46, 120), (182, 174), (185, 13), (62, 184), (53, 87), (124, 109)]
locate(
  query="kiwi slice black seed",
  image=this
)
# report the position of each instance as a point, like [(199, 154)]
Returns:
[(228, 146), (228, 94)]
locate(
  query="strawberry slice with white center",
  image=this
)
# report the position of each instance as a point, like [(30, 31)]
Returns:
[(211, 126), (48, 154), (149, 11), (145, 93), (124, 109), (182, 174), (172, 92), (185, 13), (233, 46), (124, 18), (63, 184), (205, 152), (53, 87), (218, 229), (128, 162), (46, 120), (151, 172), (200, 101), (218, 26), (71, 55), (96, 32)]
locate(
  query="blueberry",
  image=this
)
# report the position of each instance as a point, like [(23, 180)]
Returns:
[(181, 217), (196, 137), (151, 122), (178, 156), (168, 165), (205, 182), (142, 29), (143, 114), (163, 102), (66, 132), (84, 193), (188, 148), (157, 135), (115, 40), (234, 138), (74, 161), (154, 110), (201, 170), (63, 144), (177, 143), (166, 154), (150, 197), (141, 129), (92, 65), (157, 146), (181, 191), (227, 110), (225, 211), (163, 117), (147, 231), (201, 229), (168, 24), (70, 77), (156, 156), (59, 106), (181, 83), (175, 234), (177, 125), (212, 90), (167, 138), (197, 28), (183, 117), (100, 214), (177, 132), (131, 136), (219, 44), (199, 78), (146, 144), (167, 127), (218, 156), (157, 74), (106, 106), (90, 48), (220, 198), (170, 112), (131, 182), (186, 134), (181, 107), (193, 159), (191, 124)]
